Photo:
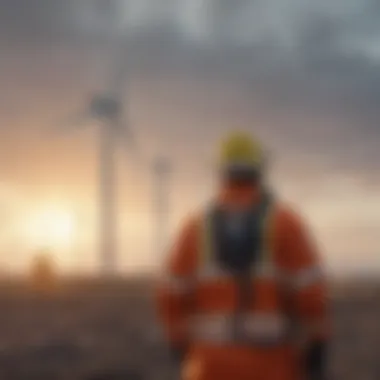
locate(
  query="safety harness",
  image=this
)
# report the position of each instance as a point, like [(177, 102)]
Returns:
[(241, 258)]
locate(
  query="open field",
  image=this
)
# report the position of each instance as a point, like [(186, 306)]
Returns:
[(89, 328)]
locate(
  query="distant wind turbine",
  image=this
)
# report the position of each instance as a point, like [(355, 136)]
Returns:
[(108, 108), (162, 168)]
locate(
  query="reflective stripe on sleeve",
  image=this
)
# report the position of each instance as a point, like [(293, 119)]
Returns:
[(268, 234), (206, 244)]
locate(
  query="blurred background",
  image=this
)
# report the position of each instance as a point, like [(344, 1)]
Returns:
[(109, 115)]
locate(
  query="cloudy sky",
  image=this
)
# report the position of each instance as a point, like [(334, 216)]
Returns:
[(303, 75)]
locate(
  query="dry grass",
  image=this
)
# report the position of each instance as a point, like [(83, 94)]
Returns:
[(90, 329)]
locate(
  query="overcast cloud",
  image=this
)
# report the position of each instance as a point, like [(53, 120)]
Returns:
[(301, 60), (303, 74)]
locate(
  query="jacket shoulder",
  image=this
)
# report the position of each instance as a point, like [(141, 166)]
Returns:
[(191, 223), (295, 241), (288, 218), (188, 234)]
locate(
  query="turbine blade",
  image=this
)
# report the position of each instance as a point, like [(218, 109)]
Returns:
[(131, 148), (72, 123), (98, 70), (128, 140), (120, 70), (105, 21)]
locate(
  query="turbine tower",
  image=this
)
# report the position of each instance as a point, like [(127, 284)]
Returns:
[(162, 169), (113, 133), (107, 109), (109, 133)]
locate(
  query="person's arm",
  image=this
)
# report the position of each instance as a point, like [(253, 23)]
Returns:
[(308, 288), (175, 290)]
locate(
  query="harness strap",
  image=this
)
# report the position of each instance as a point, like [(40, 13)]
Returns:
[(243, 280)]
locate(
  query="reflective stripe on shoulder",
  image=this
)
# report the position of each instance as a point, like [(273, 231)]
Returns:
[(205, 243), (207, 268), (268, 234), (266, 267)]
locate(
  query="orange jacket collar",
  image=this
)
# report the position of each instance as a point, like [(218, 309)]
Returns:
[(239, 197)]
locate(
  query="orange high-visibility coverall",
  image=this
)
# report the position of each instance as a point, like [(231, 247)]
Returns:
[(296, 289)]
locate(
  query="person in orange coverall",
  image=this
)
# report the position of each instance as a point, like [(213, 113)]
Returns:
[(243, 296)]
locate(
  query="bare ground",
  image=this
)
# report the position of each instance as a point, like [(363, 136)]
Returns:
[(89, 330)]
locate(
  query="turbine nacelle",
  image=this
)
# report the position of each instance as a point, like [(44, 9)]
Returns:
[(105, 107), (110, 111)]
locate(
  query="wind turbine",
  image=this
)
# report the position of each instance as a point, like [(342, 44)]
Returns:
[(113, 134), (162, 168), (108, 110)]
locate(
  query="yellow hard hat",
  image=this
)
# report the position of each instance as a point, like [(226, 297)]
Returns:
[(241, 150)]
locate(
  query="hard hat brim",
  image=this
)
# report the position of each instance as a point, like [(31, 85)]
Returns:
[(238, 173)]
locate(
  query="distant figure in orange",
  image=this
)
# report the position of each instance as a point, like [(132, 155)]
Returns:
[(43, 274), (244, 294)]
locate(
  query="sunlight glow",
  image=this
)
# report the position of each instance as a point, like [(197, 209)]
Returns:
[(53, 228)]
